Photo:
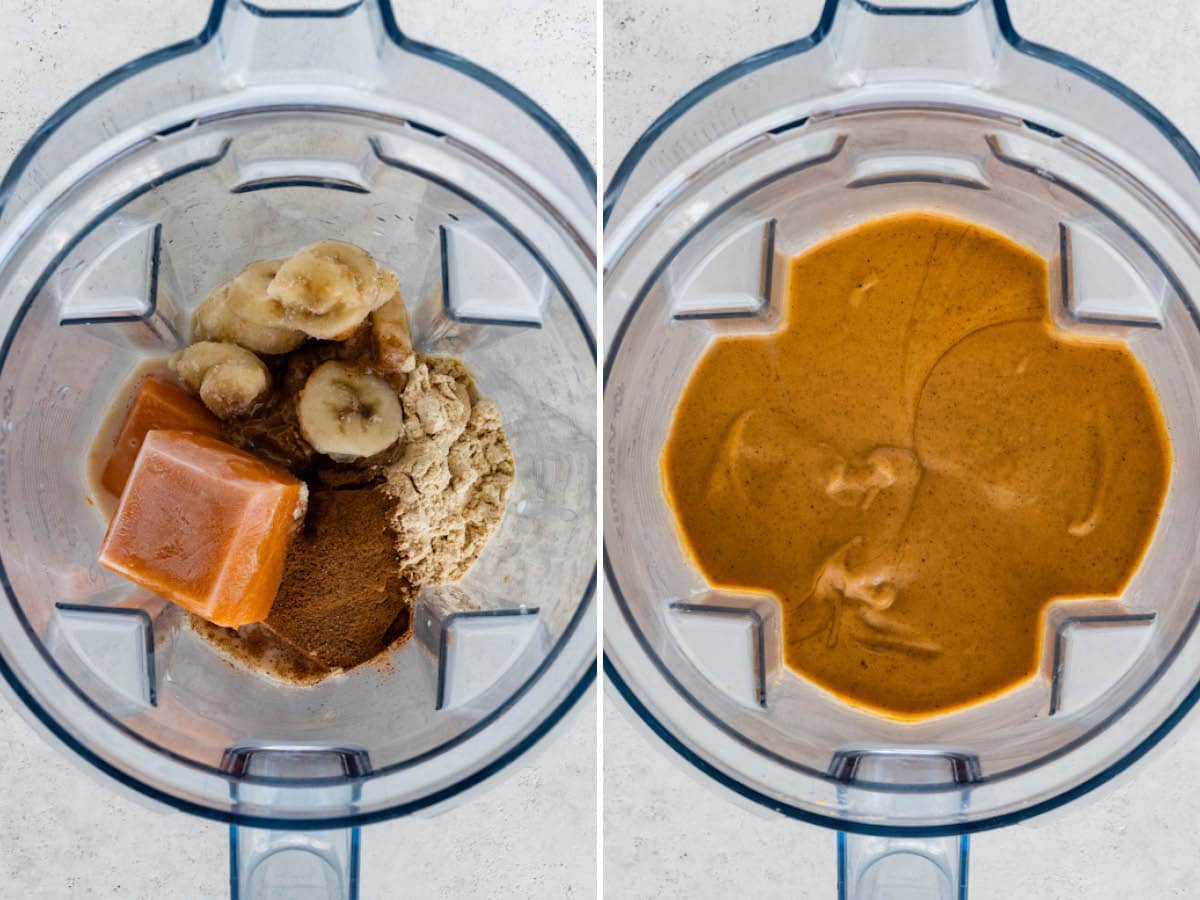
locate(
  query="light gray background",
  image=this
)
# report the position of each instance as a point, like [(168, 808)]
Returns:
[(63, 834), (668, 834)]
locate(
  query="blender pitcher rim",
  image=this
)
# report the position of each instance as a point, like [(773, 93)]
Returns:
[(208, 33), (791, 811), (191, 807), (646, 140)]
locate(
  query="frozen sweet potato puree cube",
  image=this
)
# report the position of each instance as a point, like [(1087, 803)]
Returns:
[(205, 525), (157, 404)]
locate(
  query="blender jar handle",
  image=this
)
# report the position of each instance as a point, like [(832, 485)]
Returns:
[(916, 40), (266, 864), (878, 868)]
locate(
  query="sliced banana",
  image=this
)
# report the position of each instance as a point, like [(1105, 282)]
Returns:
[(216, 319), (248, 295), (393, 337), (229, 379), (250, 299), (319, 278), (347, 413), (326, 290)]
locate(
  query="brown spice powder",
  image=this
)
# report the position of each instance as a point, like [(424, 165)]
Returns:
[(256, 647), (342, 599)]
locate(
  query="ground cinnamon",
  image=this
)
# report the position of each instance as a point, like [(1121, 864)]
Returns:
[(342, 599)]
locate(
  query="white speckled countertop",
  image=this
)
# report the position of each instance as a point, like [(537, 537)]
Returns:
[(671, 834), (64, 834)]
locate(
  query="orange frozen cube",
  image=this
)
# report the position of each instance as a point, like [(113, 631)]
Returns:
[(205, 525), (157, 404)]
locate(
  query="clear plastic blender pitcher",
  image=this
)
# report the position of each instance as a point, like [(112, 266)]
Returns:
[(890, 106), (272, 129)]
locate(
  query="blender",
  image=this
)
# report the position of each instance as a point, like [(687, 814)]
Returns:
[(273, 128), (891, 106)]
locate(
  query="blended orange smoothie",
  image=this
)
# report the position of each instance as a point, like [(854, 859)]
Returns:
[(916, 464)]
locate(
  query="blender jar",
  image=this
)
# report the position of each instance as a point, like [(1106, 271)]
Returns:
[(890, 106), (272, 129)]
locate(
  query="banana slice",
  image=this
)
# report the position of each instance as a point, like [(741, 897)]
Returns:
[(347, 413), (248, 295), (326, 290), (393, 337), (217, 319), (250, 299), (229, 379)]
